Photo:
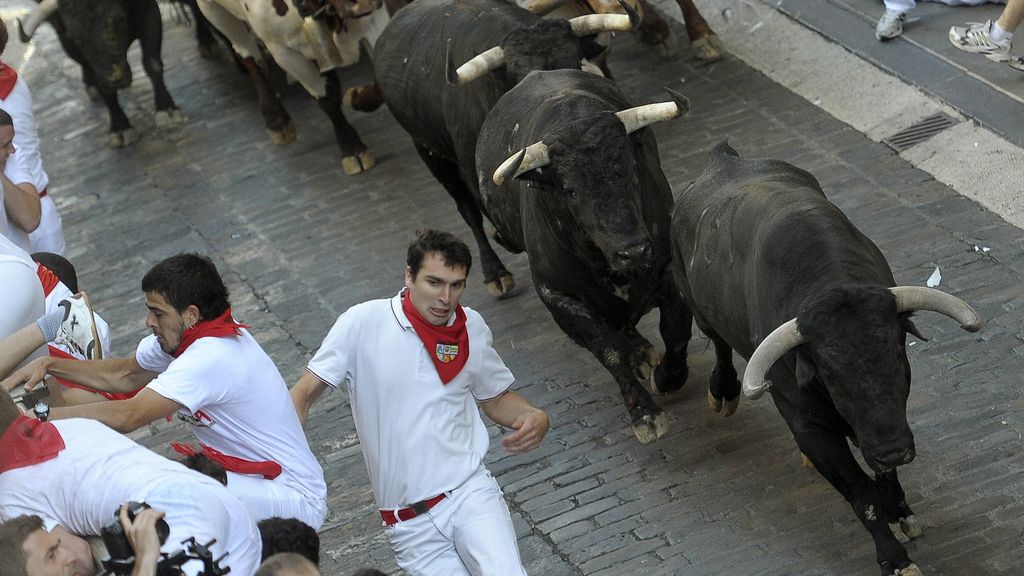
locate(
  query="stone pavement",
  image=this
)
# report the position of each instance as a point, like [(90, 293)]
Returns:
[(298, 243)]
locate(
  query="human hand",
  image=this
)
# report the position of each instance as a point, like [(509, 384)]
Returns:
[(30, 375), (530, 429), (142, 535)]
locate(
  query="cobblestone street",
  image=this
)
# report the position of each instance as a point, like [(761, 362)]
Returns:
[(299, 242)]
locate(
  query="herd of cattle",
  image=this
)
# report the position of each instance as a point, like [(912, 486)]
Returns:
[(561, 164)]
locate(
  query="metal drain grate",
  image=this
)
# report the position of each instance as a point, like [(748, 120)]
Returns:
[(919, 132)]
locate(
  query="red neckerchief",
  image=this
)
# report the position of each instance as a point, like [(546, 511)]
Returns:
[(448, 346), (8, 78), (223, 325), (28, 441), (47, 278), (268, 468)]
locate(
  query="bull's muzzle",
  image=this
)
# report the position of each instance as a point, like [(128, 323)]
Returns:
[(888, 459), (637, 256)]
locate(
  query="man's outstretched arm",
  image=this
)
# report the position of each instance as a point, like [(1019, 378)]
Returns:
[(511, 410), (122, 415), (110, 375)]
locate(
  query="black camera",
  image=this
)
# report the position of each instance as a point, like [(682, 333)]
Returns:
[(122, 557)]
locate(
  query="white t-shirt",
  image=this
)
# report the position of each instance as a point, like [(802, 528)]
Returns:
[(237, 403), (99, 470), (419, 437), (28, 165)]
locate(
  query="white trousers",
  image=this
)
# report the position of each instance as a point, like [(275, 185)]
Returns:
[(908, 5), (49, 235), (468, 533), (21, 299), (269, 499)]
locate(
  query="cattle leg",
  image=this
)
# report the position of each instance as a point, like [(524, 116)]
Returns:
[(612, 349), (120, 129), (151, 41), (675, 327), (653, 29), (204, 33), (723, 386), (276, 119), (703, 40), (497, 278), (900, 514), (831, 456), (354, 157)]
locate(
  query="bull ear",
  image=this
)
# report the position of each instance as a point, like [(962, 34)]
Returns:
[(805, 370), (910, 328), (535, 177)]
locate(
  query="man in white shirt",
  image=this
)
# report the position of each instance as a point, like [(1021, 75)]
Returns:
[(417, 366), (203, 365), (26, 171), (20, 202)]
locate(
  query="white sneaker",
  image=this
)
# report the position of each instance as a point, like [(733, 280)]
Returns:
[(1017, 63), (78, 330), (890, 25), (974, 38)]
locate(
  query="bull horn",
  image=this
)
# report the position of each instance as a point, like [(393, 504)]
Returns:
[(28, 27), (596, 23), (781, 340), (476, 67), (533, 156), (910, 298), (636, 118), (542, 7)]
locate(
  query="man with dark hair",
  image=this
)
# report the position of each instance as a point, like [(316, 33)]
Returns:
[(21, 208), (289, 535), (287, 564), (417, 366), (206, 367), (25, 171)]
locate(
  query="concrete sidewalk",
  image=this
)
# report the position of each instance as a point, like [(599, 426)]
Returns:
[(299, 243)]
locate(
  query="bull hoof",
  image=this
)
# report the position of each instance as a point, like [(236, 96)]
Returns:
[(285, 135), (502, 287), (911, 527), (911, 570), (726, 407), (92, 92), (806, 462), (168, 118), (708, 49), (359, 162), (362, 98), (650, 428), (120, 139), (209, 51)]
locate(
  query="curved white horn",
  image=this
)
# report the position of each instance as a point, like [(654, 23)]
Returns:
[(781, 340), (910, 298), (542, 7), (533, 156), (636, 118), (595, 23), (27, 27), (476, 67)]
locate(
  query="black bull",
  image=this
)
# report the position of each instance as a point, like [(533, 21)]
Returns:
[(96, 34), (410, 60), (594, 222), (758, 249)]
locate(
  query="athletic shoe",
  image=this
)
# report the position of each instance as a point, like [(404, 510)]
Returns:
[(78, 330), (890, 25), (1017, 63), (974, 38)]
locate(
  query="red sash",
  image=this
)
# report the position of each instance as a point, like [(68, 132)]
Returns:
[(448, 346), (268, 469), (47, 278), (223, 325), (28, 441), (8, 78)]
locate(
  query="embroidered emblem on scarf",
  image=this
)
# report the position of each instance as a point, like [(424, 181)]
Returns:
[(447, 345)]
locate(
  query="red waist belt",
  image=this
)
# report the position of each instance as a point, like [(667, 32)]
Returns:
[(392, 517), (268, 469), (43, 193)]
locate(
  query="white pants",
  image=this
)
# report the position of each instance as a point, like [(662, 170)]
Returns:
[(49, 235), (269, 499), (205, 513), (908, 5), (21, 299), (468, 533)]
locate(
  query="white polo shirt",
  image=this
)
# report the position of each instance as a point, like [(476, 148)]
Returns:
[(419, 437), (237, 403), (99, 470)]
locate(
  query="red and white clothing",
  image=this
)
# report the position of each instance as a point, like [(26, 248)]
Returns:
[(99, 469), (238, 405), (21, 297), (419, 437), (26, 165)]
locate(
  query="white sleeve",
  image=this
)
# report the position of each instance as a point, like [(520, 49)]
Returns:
[(493, 377), (332, 363), (150, 356)]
